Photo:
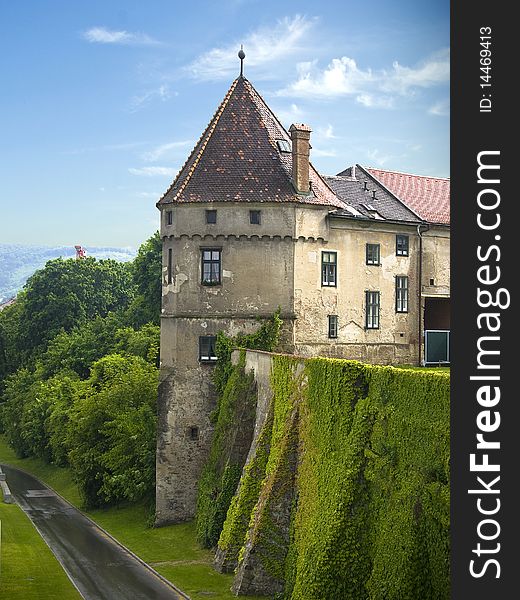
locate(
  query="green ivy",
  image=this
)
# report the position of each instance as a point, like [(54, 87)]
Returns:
[(265, 338), (236, 525), (233, 416), (370, 508)]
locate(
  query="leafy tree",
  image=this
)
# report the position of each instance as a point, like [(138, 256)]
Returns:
[(20, 389), (78, 349), (146, 273), (9, 335), (65, 293), (112, 431), (63, 389), (143, 342)]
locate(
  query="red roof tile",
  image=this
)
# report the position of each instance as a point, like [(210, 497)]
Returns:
[(237, 158), (429, 197)]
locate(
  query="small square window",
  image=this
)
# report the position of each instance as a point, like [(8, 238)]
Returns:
[(401, 245), (372, 302), (401, 294), (169, 217), (194, 434), (211, 217), (373, 254), (328, 269), (207, 348), (254, 217), (333, 326), (211, 266)]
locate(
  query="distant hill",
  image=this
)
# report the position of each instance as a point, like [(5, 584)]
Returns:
[(18, 262)]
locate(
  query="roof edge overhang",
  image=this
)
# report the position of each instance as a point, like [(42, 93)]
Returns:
[(368, 221)]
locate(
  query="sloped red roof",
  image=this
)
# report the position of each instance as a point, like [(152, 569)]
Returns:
[(237, 158), (428, 197)]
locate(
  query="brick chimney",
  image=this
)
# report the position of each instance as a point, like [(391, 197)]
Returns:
[(300, 136)]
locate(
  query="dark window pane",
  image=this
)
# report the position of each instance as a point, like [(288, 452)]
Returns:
[(333, 326), (207, 348), (170, 265), (402, 245), (372, 310), (211, 266), (328, 269), (372, 254), (254, 217), (401, 293)]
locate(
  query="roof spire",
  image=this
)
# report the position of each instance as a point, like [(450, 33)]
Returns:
[(241, 56)]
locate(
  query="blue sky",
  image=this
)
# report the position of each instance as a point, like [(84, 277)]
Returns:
[(101, 102)]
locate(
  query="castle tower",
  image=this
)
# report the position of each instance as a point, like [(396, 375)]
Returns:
[(229, 224)]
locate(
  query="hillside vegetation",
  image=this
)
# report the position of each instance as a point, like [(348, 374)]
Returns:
[(78, 372)]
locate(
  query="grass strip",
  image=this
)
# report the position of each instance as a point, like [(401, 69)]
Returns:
[(171, 550)]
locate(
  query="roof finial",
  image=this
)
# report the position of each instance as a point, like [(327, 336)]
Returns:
[(241, 56)]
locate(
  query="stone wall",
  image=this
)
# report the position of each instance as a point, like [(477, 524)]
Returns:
[(326, 505)]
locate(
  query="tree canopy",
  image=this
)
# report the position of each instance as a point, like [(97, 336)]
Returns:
[(78, 371)]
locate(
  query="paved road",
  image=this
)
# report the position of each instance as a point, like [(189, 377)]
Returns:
[(99, 567)]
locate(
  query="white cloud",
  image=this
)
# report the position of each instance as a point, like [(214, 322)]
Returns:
[(162, 93), (318, 152), (371, 101), (265, 46), (102, 35), (434, 71), (153, 171), (378, 158), (440, 109), (147, 195), (290, 115), (160, 151), (326, 132), (343, 77)]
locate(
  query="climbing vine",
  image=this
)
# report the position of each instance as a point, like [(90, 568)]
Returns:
[(367, 497), (234, 420)]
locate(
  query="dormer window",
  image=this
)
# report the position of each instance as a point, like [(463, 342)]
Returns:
[(283, 145), (211, 217), (255, 217)]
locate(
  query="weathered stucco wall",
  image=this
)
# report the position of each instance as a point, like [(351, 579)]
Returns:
[(396, 339), (436, 262), (257, 275)]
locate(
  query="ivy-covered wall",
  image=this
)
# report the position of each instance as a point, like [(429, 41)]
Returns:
[(346, 495)]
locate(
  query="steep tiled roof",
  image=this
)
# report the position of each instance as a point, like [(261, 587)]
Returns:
[(237, 158), (429, 197), (360, 197)]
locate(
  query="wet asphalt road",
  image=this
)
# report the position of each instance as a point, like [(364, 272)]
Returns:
[(99, 568)]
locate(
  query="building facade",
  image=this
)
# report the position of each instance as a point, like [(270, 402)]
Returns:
[(249, 226)]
